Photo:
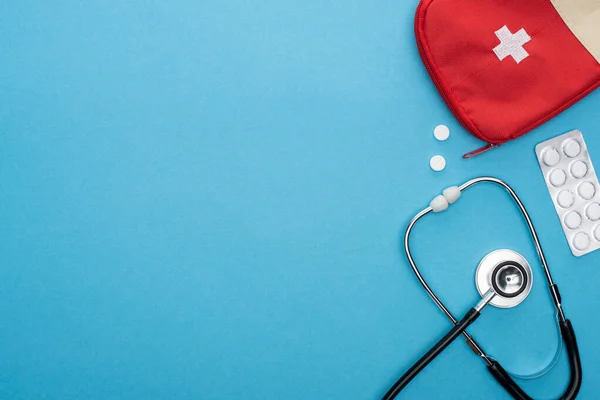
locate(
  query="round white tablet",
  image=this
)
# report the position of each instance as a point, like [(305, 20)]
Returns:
[(586, 190), (579, 169), (437, 163), (572, 148), (441, 132), (551, 157), (593, 211), (573, 220), (582, 241), (597, 233), (566, 199), (558, 177)]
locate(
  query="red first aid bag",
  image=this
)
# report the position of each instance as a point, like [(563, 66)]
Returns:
[(505, 67)]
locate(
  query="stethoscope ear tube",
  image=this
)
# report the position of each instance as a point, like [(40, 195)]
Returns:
[(515, 391)]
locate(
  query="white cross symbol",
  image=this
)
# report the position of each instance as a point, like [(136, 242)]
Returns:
[(512, 44)]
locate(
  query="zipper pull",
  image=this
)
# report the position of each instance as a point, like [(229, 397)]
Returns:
[(480, 150)]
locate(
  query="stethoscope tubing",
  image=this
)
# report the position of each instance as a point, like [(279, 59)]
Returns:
[(435, 351), (493, 366)]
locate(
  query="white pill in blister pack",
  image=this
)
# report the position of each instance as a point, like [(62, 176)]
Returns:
[(574, 188), (558, 177)]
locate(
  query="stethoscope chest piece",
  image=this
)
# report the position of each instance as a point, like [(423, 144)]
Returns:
[(506, 272)]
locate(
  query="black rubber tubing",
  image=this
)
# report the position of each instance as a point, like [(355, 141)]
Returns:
[(455, 332), (501, 376), (516, 392)]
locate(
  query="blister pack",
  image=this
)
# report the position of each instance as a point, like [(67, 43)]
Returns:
[(574, 188)]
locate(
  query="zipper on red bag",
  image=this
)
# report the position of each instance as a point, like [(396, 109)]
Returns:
[(434, 78), (480, 150)]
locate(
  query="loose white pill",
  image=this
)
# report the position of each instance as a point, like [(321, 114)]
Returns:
[(586, 190), (452, 194), (579, 169), (572, 148), (551, 157), (593, 212), (441, 132), (439, 204), (573, 220), (437, 163), (582, 241), (597, 233), (558, 177), (566, 199)]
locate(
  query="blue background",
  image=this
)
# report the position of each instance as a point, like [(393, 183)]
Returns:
[(205, 200)]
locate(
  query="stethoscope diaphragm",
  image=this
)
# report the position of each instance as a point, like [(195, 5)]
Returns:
[(509, 275)]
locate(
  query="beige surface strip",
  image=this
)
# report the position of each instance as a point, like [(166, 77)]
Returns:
[(583, 18)]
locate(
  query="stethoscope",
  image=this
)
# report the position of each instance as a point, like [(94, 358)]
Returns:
[(503, 279)]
